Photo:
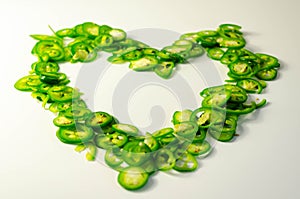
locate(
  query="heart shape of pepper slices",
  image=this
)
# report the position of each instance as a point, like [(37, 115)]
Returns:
[(137, 156)]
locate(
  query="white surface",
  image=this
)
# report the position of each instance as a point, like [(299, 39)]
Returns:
[(262, 163)]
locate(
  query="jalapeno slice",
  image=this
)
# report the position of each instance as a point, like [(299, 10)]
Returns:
[(77, 112), (103, 41), (229, 57), (28, 83), (41, 67), (113, 157), (108, 141), (199, 148), (205, 117), (48, 38), (99, 119), (151, 142), (144, 63), (132, 55), (117, 34), (164, 159), (53, 77), (267, 75), (135, 153), (125, 128), (133, 178), (222, 136), (215, 53), (63, 93), (164, 69), (228, 125), (186, 163), (163, 132), (182, 116), (216, 99), (240, 68), (250, 85), (75, 135), (186, 130), (90, 29), (62, 121), (240, 109), (200, 135)]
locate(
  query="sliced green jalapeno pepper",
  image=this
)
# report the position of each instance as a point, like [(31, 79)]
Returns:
[(186, 163), (167, 139), (199, 148), (229, 124), (208, 41), (113, 157), (194, 37), (250, 85), (41, 67), (125, 128), (149, 166), (77, 112), (53, 77), (135, 153), (186, 130), (163, 132), (62, 121), (63, 93), (48, 38), (267, 75), (268, 61), (240, 109), (116, 59), (231, 43), (230, 28), (164, 159), (196, 51), (133, 178), (82, 52), (117, 34), (28, 83), (104, 29), (103, 41), (200, 135), (164, 69), (48, 50), (229, 57), (40, 96), (150, 51), (222, 136), (144, 63), (75, 135), (207, 116), (215, 53), (66, 32), (99, 119), (216, 99), (182, 116), (151, 142), (90, 29), (108, 141), (240, 68), (132, 55)]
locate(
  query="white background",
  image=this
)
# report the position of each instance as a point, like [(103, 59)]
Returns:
[(263, 162)]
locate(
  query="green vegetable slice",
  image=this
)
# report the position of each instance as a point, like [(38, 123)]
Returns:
[(75, 135), (133, 178), (125, 128)]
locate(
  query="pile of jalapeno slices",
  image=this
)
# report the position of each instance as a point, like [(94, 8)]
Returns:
[(134, 155)]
